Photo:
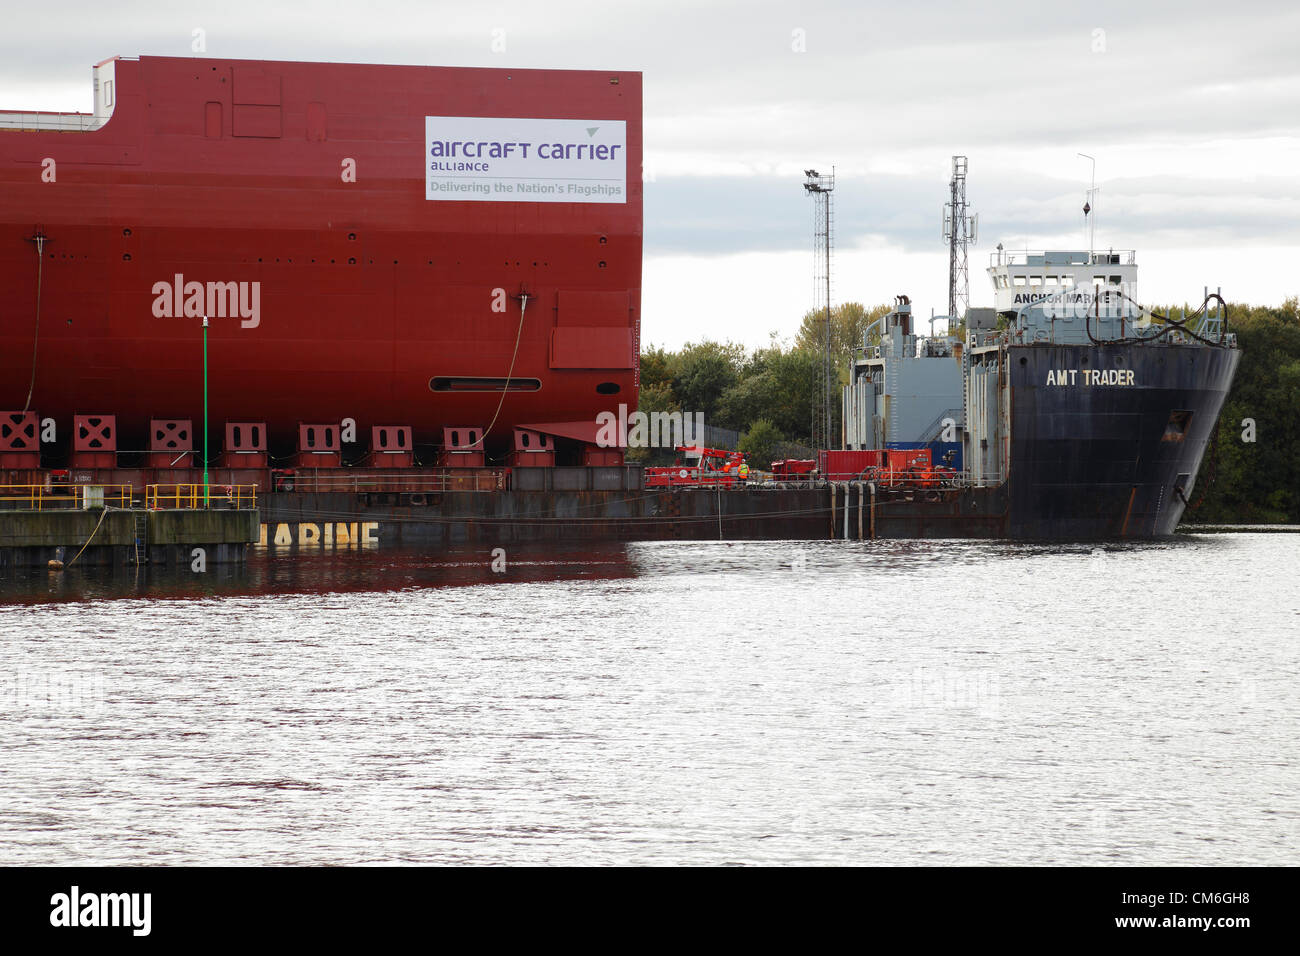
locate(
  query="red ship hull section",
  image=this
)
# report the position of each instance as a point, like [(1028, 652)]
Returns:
[(376, 303)]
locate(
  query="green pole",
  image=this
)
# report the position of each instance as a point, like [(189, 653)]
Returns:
[(205, 412)]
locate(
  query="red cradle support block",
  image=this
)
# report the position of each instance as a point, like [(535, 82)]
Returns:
[(391, 447), (94, 441), (171, 443), (245, 445), (532, 449), (462, 447), (318, 446), (531, 441), (20, 440), (594, 456)]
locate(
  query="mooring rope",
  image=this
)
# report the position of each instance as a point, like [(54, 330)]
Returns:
[(523, 305), (92, 535), (36, 335)]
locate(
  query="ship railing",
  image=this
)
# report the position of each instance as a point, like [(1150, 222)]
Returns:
[(901, 480), (953, 479), (1097, 257), (987, 337), (456, 479), (65, 497), (34, 121), (191, 496)]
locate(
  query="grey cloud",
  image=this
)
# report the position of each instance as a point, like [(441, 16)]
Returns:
[(921, 79), (720, 215)]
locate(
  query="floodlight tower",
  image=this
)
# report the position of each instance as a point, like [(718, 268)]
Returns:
[(820, 188)]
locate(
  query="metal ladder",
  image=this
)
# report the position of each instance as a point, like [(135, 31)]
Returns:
[(141, 537)]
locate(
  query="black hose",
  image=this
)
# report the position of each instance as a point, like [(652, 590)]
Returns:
[(1170, 324), (39, 239)]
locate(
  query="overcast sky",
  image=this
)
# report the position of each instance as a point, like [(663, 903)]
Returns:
[(1192, 110)]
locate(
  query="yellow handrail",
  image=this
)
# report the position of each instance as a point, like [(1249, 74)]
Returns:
[(41, 497), (190, 496)]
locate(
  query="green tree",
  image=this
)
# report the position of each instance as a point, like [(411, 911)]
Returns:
[(657, 367), (655, 398), (759, 443), (849, 324), (1257, 481), (776, 385), (702, 372)]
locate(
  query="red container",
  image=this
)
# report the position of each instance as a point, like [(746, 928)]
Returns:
[(793, 468), (848, 465)]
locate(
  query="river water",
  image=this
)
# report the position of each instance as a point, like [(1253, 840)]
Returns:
[(665, 703)]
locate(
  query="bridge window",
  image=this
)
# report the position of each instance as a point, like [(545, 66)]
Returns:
[(1019, 281), (1035, 281), (1067, 281)]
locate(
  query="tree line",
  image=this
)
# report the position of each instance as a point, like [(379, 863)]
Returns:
[(1257, 481), (769, 395)]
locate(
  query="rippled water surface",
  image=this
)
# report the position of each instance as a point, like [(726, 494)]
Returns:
[(820, 702)]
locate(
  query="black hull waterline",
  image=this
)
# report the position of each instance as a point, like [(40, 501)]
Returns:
[(1113, 446)]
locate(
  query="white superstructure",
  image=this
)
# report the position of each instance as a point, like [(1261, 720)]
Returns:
[(1026, 277)]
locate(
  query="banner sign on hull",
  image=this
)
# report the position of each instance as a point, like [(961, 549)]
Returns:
[(487, 159)]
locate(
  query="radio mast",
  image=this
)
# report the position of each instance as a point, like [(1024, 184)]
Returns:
[(959, 231), (820, 188), (1090, 206)]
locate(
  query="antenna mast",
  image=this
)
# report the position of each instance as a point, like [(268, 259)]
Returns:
[(820, 188), (1089, 205), (959, 231)]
